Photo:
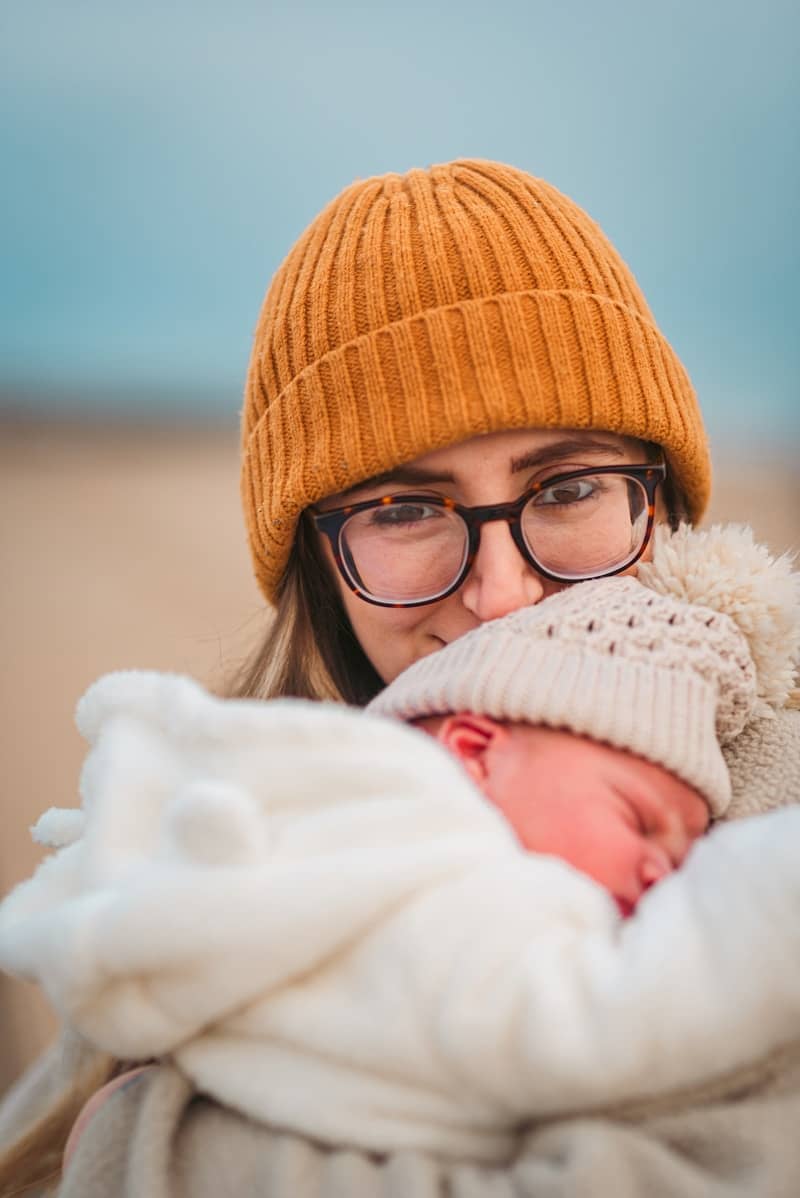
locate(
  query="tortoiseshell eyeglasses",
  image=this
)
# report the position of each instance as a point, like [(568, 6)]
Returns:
[(411, 549)]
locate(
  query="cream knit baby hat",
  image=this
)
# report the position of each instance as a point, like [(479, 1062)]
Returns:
[(670, 670)]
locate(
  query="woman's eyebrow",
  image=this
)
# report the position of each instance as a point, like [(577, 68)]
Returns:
[(420, 476), (563, 449)]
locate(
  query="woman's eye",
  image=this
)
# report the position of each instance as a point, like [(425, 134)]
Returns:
[(390, 515), (572, 491)]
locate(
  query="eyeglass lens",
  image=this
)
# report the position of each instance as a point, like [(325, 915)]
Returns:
[(579, 528), (585, 527)]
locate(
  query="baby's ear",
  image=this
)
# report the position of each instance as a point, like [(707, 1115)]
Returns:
[(469, 737)]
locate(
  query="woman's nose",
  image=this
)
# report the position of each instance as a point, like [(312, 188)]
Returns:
[(500, 580)]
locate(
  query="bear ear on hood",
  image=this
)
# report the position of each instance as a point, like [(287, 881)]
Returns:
[(724, 568), (152, 696), (215, 823)]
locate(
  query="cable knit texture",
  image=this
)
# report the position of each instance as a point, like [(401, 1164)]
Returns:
[(419, 310)]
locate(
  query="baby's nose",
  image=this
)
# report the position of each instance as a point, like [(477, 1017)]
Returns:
[(653, 868)]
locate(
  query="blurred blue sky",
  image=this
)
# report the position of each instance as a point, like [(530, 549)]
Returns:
[(160, 157)]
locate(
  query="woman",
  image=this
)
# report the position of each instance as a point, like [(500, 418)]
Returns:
[(416, 315), (458, 401)]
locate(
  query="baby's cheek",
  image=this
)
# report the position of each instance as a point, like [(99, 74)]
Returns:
[(544, 828), (613, 858), (517, 815)]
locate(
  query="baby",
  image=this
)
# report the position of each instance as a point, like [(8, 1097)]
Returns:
[(595, 724), (620, 819), (316, 915)]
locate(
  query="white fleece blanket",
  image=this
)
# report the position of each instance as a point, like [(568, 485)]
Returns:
[(319, 917)]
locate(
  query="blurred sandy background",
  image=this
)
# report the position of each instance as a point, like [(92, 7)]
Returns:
[(123, 547), (120, 547)]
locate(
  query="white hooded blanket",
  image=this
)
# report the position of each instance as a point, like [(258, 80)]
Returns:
[(316, 914)]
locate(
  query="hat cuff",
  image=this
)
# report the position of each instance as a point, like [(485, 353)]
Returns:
[(667, 716), (528, 359)]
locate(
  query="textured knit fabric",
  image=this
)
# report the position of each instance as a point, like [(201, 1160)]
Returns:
[(311, 909), (420, 310), (764, 765), (634, 666), (159, 1139)]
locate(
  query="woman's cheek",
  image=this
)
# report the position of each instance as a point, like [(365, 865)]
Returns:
[(391, 637)]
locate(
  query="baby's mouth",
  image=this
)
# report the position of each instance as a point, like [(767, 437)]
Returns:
[(625, 907)]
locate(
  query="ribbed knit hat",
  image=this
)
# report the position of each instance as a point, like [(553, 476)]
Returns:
[(420, 310), (635, 666)]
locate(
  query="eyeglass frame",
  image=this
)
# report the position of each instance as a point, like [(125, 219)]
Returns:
[(331, 523)]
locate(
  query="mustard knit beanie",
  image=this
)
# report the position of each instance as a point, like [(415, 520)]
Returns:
[(420, 310)]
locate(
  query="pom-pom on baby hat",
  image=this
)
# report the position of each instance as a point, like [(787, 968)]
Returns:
[(638, 667)]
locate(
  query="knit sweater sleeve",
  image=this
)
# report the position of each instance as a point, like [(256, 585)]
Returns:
[(703, 979), (163, 1138)]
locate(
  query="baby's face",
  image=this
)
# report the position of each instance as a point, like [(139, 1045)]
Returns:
[(618, 818)]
